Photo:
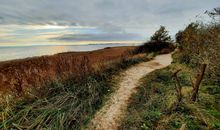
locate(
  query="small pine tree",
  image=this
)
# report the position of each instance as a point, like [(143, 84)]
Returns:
[(161, 35)]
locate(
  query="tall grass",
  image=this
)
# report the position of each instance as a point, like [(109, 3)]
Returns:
[(65, 105), (18, 78)]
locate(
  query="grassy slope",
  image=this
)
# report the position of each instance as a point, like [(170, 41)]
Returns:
[(65, 106), (150, 107), (22, 77)]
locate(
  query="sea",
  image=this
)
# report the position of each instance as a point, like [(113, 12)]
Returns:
[(21, 52)]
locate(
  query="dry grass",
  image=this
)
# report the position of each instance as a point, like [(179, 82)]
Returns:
[(69, 104), (19, 78)]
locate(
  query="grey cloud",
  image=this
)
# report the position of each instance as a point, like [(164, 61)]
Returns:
[(98, 37), (107, 15), (110, 27)]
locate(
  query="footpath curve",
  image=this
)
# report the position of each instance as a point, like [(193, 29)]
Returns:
[(110, 115)]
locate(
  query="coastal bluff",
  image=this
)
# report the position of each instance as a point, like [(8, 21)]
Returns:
[(19, 78)]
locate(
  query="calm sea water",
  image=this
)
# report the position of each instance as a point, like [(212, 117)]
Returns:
[(10, 53)]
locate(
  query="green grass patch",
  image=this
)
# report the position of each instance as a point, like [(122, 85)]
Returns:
[(150, 107)]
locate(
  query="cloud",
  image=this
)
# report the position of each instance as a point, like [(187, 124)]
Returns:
[(107, 17), (95, 12), (98, 37)]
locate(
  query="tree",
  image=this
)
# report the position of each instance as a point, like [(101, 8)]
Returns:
[(189, 38), (197, 83), (214, 13), (200, 43), (161, 35), (179, 36)]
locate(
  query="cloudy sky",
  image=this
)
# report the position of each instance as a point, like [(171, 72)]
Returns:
[(42, 22)]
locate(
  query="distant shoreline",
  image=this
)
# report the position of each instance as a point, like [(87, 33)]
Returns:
[(132, 44), (20, 52)]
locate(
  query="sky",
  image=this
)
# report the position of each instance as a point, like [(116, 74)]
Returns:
[(56, 22)]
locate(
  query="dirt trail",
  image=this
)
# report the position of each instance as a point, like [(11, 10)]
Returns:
[(110, 115)]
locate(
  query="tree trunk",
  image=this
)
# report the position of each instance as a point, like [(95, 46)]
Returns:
[(179, 90), (197, 83), (178, 86)]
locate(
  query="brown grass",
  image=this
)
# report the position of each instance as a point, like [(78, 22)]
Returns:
[(20, 77)]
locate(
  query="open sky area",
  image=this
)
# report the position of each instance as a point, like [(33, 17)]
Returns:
[(59, 22)]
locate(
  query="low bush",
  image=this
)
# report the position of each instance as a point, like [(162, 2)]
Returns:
[(155, 46)]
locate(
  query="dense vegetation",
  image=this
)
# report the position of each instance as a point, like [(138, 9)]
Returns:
[(165, 99), (66, 105), (156, 46), (153, 106), (23, 77)]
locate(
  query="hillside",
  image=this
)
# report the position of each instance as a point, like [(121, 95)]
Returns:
[(19, 78)]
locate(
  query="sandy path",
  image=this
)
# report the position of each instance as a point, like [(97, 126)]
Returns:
[(110, 115)]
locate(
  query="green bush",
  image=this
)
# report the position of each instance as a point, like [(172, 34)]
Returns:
[(155, 46)]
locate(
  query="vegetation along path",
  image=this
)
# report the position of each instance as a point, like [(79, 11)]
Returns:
[(110, 115)]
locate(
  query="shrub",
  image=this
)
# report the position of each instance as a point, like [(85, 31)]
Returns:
[(155, 46), (200, 43)]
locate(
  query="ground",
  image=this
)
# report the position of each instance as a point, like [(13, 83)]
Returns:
[(110, 115)]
